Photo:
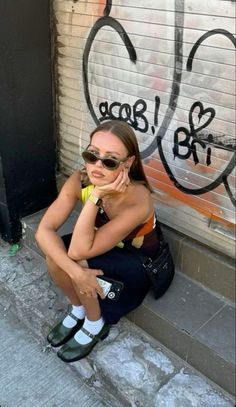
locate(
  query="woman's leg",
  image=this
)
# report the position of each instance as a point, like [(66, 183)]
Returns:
[(72, 292), (91, 305), (93, 322), (63, 281), (66, 328), (82, 305), (92, 330)]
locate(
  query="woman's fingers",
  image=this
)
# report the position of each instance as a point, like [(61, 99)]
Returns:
[(125, 179), (119, 184), (97, 272), (99, 289), (122, 181), (90, 286), (118, 181)]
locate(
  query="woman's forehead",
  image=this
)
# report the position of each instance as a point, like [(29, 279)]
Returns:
[(107, 141)]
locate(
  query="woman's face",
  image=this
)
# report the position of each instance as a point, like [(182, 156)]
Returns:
[(105, 143)]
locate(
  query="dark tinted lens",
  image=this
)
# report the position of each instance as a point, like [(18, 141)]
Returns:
[(110, 163), (89, 157)]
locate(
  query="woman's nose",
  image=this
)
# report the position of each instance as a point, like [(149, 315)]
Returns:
[(99, 163)]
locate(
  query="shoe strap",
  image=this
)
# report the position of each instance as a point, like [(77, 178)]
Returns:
[(73, 317), (87, 332)]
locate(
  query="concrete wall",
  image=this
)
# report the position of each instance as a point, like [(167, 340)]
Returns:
[(168, 68)]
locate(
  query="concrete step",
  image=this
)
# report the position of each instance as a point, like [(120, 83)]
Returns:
[(129, 368), (213, 270), (194, 322)]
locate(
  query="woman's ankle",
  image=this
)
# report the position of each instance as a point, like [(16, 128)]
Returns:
[(91, 327), (78, 311)]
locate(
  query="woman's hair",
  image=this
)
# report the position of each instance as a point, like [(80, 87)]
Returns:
[(125, 133)]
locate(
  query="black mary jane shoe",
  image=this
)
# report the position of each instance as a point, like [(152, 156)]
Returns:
[(73, 351), (60, 334)]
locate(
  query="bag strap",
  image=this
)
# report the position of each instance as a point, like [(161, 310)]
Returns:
[(147, 260)]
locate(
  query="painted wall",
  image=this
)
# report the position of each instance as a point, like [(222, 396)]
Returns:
[(167, 68), (27, 142)]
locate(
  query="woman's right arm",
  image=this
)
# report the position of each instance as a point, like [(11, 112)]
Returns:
[(46, 236), (52, 245)]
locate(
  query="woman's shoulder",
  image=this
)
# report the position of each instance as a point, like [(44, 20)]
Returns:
[(82, 186), (72, 186), (75, 176), (139, 192), (140, 197)]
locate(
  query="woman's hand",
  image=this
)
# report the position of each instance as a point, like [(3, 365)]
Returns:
[(86, 282), (118, 185)]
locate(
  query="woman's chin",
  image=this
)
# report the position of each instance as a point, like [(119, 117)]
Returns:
[(99, 182)]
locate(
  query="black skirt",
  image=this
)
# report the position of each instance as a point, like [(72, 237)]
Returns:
[(124, 266)]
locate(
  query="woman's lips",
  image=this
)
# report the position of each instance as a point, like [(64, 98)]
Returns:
[(97, 174)]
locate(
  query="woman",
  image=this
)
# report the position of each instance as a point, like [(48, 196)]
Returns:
[(117, 213)]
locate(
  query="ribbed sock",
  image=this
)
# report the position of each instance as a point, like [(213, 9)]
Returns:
[(94, 327), (78, 311)]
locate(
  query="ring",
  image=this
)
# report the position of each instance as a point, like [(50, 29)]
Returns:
[(122, 182), (82, 292)]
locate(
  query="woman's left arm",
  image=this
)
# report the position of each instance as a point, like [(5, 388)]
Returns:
[(87, 242)]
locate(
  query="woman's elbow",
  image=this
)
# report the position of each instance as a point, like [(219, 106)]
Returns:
[(40, 235), (75, 255), (37, 236), (71, 255)]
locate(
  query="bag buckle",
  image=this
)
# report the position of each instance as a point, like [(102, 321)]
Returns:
[(147, 263)]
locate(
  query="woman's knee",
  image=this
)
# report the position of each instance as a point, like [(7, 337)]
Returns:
[(52, 266), (83, 263)]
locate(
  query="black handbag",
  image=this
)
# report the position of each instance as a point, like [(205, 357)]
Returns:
[(160, 269)]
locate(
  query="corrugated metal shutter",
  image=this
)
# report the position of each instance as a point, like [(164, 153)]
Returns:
[(177, 86)]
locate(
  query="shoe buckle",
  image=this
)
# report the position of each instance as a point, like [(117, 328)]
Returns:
[(87, 333)]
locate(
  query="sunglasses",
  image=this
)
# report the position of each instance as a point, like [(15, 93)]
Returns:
[(108, 162)]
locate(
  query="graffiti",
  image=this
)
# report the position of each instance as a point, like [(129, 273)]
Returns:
[(208, 34), (191, 137), (106, 20), (133, 115), (195, 137), (222, 178), (219, 141)]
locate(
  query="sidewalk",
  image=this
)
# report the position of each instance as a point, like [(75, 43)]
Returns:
[(33, 377), (129, 368)]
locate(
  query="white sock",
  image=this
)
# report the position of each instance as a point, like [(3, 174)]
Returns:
[(78, 311), (94, 327)]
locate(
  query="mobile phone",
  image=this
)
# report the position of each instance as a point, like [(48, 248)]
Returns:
[(111, 288)]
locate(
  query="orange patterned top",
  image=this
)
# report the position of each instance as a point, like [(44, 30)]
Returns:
[(145, 237)]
